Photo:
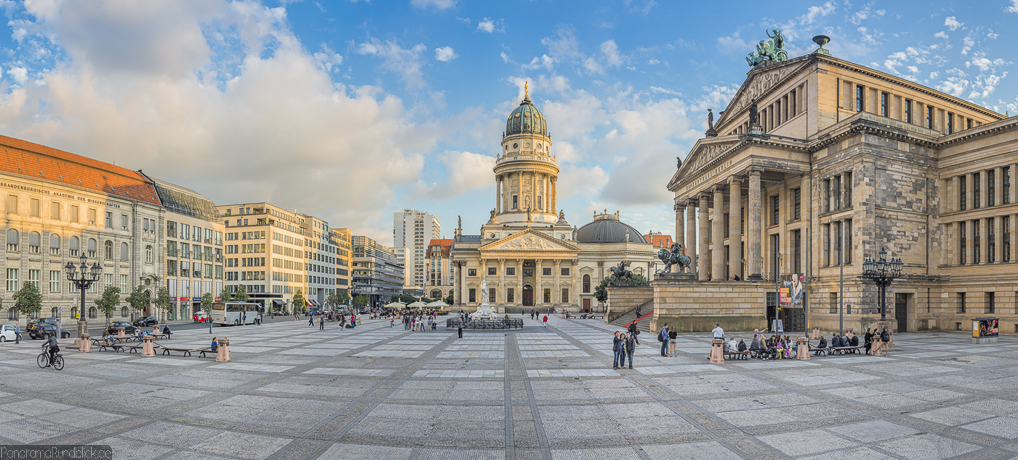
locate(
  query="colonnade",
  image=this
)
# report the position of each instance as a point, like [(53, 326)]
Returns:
[(541, 193), (506, 284)]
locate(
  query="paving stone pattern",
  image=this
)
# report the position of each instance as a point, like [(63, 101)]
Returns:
[(540, 393)]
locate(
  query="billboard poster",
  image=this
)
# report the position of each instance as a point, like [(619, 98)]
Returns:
[(984, 327), (790, 296)]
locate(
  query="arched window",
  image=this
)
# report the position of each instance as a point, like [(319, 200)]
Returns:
[(74, 312), (92, 247), (586, 284), (12, 240), (12, 314), (108, 250), (93, 313), (436, 294), (124, 312), (34, 240), (54, 244), (125, 252), (148, 254), (73, 247), (53, 312)]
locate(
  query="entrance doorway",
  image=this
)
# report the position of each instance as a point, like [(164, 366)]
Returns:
[(901, 311), (528, 296), (586, 305), (772, 310)]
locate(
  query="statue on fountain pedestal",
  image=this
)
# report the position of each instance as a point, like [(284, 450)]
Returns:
[(484, 311)]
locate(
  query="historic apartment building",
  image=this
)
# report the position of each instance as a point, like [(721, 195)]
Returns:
[(439, 276), (266, 253), (344, 259), (58, 206), (527, 254), (842, 162), (411, 232), (320, 248), (191, 241)]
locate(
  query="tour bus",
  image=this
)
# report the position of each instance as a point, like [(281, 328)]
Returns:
[(233, 313)]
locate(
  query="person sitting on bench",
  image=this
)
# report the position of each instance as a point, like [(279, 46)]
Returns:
[(742, 345), (835, 341), (166, 330), (215, 345), (733, 346), (821, 346), (854, 341)]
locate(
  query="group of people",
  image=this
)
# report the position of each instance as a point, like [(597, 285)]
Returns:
[(416, 322), (773, 347), (623, 346)]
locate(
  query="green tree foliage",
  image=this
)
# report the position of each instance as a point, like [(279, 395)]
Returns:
[(361, 300), (241, 294), (206, 301), (342, 298), (449, 300), (299, 303), (163, 301), (108, 301), (601, 293), (28, 300), (138, 298), (225, 295)]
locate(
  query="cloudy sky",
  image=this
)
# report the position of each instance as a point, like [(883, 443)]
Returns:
[(351, 110)]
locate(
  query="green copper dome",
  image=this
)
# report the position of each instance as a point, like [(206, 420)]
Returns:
[(526, 119)]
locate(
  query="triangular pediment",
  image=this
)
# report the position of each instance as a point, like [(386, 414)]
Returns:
[(760, 81), (529, 240), (704, 153)]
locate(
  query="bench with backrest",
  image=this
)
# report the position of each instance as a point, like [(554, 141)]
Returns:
[(737, 354), (203, 351), (184, 351), (161, 336), (847, 350), (116, 347), (820, 351)]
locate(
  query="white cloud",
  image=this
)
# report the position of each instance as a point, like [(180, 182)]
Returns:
[(543, 61), (466, 171), (734, 44), (968, 44), (564, 45), (815, 12), (505, 57), (445, 54), (437, 4), (404, 61), (992, 35), (1013, 8), (611, 53), (952, 23), (941, 34), (640, 6), (486, 25), (984, 64), (328, 59), (653, 62), (19, 74), (593, 66)]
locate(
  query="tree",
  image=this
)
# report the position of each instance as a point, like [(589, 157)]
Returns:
[(342, 298), (206, 301), (449, 300), (601, 294), (28, 300), (138, 299), (225, 295), (361, 300), (241, 294), (108, 301), (298, 301), (163, 301)]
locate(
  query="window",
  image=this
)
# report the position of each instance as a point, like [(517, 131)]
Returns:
[(1006, 249), (73, 247), (961, 243), (836, 191), (962, 202), (516, 202), (12, 279), (860, 98), (108, 250), (93, 246), (991, 303), (908, 110), (12, 240), (148, 254), (124, 312), (33, 278), (991, 188), (565, 271), (54, 210), (848, 188), (827, 195), (546, 271), (54, 245), (836, 228), (492, 270), (171, 229), (491, 294), (565, 295), (975, 242), (471, 272), (171, 268), (125, 252), (123, 221), (950, 123), (547, 295), (975, 190), (827, 245), (510, 271), (73, 213), (833, 302), (34, 207), (91, 216), (929, 117), (12, 204), (791, 100), (586, 284), (472, 297), (774, 209), (123, 284), (510, 295), (885, 104), (797, 203), (34, 242), (848, 240), (796, 252), (961, 302), (109, 219), (990, 243)]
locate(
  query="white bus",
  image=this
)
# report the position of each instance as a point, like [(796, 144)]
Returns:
[(233, 313)]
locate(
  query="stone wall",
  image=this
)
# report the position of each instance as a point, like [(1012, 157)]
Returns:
[(694, 306), (624, 298)]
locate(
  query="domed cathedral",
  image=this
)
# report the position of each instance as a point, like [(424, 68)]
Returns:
[(527, 254)]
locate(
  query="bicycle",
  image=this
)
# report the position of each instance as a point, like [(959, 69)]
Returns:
[(43, 359)]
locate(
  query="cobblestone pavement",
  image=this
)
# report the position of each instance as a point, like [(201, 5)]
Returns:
[(544, 392)]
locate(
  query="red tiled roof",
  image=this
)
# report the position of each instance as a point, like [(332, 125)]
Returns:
[(36, 161), (446, 245), (659, 240)]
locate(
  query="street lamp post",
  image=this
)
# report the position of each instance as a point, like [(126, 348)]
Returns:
[(882, 272), (82, 277)]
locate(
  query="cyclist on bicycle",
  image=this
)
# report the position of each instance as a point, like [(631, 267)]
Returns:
[(54, 347)]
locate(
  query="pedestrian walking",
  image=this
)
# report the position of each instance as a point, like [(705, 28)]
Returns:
[(17, 332), (545, 320), (663, 338), (631, 342), (321, 322), (311, 320), (616, 349)]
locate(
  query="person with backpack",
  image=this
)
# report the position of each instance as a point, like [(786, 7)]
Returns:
[(663, 338), (633, 331)]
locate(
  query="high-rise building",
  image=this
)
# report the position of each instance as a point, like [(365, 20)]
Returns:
[(320, 248), (344, 259), (439, 274), (411, 231)]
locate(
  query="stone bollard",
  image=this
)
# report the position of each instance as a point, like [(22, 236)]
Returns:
[(717, 351), (816, 334), (223, 354), (146, 347), (803, 349), (86, 345), (120, 332)]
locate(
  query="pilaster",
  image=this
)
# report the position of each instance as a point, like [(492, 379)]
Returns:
[(734, 227)]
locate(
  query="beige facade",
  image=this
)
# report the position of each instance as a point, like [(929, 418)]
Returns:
[(344, 259), (527, 254), (320, 248), (847, 156), (439, 277)]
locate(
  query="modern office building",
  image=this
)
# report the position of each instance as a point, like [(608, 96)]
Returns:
[(411, 232), (320, 248), (376, 273), (344, 259)]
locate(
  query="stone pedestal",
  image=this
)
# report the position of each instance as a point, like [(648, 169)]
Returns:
[(84, 345), (717, 351), (146, 346), (816, 334), (803, 348), (120, 332), (223, 354)]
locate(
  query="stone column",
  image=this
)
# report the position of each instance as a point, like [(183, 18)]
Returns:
[(984, 242), (753, 226), (680, 228), (558, 271), (945, 236), (498, 194), (998, 235), (806, 209), (1014, 184), (690, 244), (968, 239), (538, 289), (718, 236), (501, 280), (998, 186), (519, 282), (983, 189), (554, 195), (703, 238), (734, 229)]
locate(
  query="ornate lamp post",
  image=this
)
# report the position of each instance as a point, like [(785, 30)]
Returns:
[(82, 277), (882, 272)]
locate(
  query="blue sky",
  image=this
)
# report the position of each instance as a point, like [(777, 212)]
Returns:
[(351, 110)]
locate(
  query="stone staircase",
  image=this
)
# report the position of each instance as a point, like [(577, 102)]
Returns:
[(643, 322)]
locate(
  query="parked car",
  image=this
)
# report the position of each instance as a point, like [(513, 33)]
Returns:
[(7, 333), (42, 321), (41, 331), (146, 321), (201, 317), (128, 328)]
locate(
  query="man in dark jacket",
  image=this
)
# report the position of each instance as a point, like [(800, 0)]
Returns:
[(617, 349), (633, 332), (663, 338), (54, 347), (822, 345), (630, 347), (742, 345)]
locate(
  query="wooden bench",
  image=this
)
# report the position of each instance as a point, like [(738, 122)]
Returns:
[(116, 348), (203, 351), (819, 351), (737, 355), (848, 350), (161, 336), (184, 351)]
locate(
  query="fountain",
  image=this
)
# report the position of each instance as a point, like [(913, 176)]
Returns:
[(484, 311)]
